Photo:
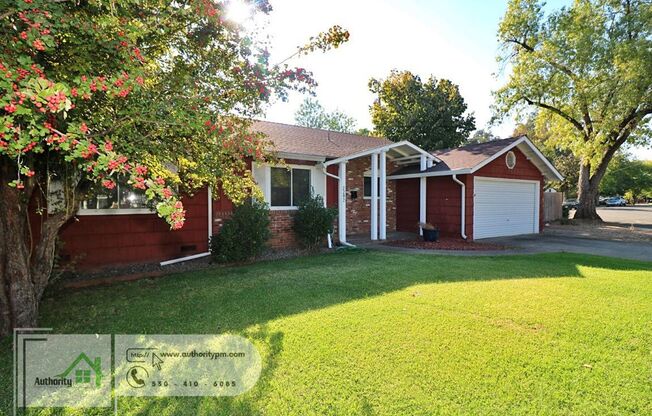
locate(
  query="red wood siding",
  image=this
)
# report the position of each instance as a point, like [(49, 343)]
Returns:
[(101, 240), (443, 196), (442, 204), (331, 186), (407, 205)]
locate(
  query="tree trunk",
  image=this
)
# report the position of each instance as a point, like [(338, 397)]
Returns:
[(589, 185), (19, 299), (587, 193), (25, 267)]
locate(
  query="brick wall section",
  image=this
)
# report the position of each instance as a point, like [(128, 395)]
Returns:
[(281, 223), (443, 196), (358, 211)]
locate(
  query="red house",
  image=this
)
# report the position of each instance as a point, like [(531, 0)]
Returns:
[(501, 184)]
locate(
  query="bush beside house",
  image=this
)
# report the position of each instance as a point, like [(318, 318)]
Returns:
[(313, 221), (244, 235)]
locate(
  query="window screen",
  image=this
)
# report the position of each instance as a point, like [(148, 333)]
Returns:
[(281, 180), (300, 185)]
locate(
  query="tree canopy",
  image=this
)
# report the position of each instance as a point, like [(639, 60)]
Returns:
[(481, 136), (628, 177), (154, 93), (312, 114), (430, 114), (563, 160), (587, 69)]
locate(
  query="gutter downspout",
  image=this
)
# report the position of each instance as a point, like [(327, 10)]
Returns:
[(210, 234), (330, 241), (463, 219)]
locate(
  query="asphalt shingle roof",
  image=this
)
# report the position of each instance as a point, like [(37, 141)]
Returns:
[(465, 157), (316, 142)]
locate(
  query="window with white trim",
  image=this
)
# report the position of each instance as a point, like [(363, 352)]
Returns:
[(366, 188), (289, 186), (123, 199)]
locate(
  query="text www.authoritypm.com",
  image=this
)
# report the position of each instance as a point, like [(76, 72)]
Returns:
[(201, 354)]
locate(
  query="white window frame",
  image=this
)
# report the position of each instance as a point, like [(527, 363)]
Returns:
[(114, 211), (268, 186)]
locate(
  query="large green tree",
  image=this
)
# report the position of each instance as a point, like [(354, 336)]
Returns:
[(430, 114), (587, 68), (312, 114), (627, 176), (152, 92), (563, 159)]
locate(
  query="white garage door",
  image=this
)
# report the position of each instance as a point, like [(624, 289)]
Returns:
[(503, 207)]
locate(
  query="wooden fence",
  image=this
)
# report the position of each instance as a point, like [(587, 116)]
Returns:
[(552, 202)]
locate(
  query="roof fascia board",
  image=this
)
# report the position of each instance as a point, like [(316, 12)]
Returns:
[(300, 156), (545, 160), (506, 149), (429, 174)]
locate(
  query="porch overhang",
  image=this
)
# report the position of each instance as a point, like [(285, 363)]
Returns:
[(402, 153), (523, 144)]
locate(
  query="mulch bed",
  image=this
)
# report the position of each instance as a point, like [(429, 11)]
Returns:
[(445, 243), (79, 279)]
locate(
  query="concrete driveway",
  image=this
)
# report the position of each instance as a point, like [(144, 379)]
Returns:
[(542, 243)]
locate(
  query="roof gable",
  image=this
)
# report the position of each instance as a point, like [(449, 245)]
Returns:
[(469, 159)]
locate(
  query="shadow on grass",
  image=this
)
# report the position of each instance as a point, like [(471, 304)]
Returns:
[(232, 299), (243, 300)]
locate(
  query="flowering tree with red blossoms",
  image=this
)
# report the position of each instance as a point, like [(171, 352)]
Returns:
[(154, 93)]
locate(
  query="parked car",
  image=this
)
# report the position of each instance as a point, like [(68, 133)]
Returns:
[(570, 203), (616, 202), (603, 200)]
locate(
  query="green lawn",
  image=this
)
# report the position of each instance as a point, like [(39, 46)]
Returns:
[(375, 333)]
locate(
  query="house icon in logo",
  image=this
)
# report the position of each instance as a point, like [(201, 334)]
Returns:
[(84, 367)]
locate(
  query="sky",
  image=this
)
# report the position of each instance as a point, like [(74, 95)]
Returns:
[(451, 39)]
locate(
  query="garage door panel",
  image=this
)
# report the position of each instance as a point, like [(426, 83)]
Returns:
[(504, 207)]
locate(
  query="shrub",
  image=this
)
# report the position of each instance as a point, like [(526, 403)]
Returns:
[(244, 235), (630, 197), (313, 221)]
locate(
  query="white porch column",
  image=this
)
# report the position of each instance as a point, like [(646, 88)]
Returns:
[(382, 234), (374, 196), (422, 193), (341, 203)]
